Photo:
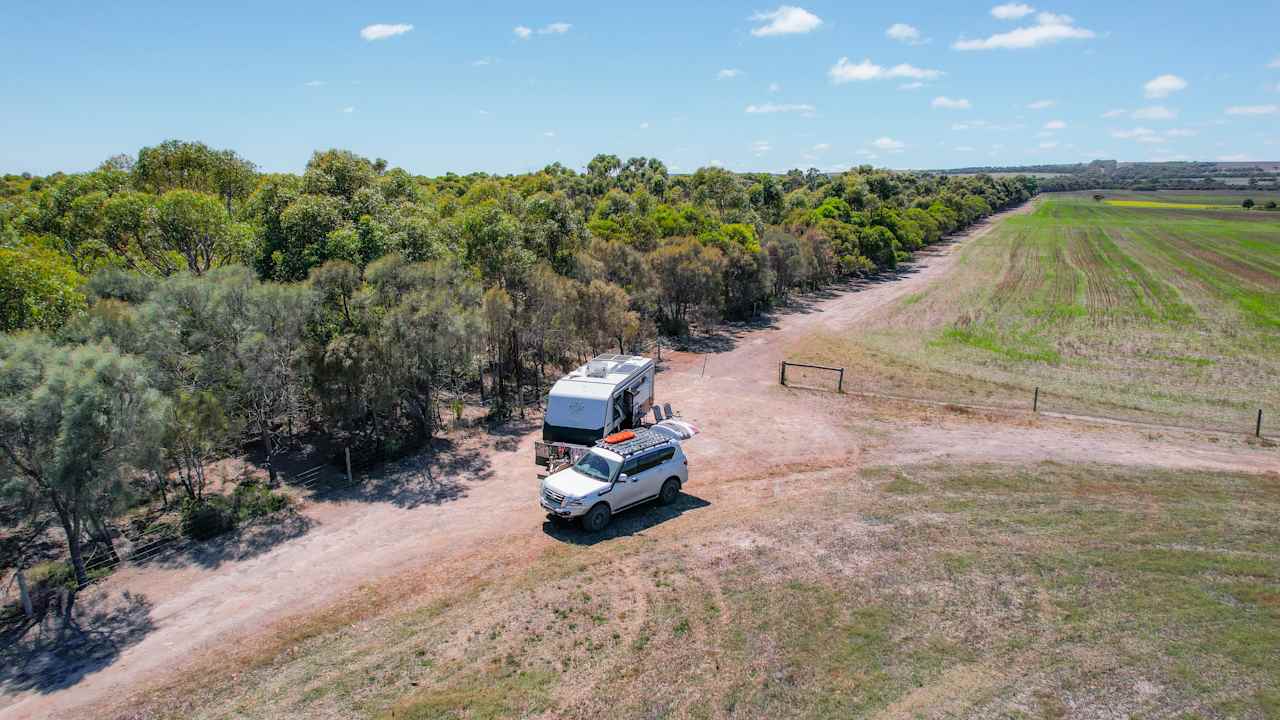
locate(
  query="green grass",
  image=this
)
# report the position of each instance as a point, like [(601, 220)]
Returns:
[(1167, 313)]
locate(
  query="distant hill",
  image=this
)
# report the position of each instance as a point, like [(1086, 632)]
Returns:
[(1140, 175)]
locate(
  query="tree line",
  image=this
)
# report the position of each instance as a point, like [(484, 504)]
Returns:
[(165, 310)]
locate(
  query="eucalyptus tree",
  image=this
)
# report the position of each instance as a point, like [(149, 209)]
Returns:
[(73, 422)]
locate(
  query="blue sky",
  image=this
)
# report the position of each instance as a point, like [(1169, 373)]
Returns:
[(509, 87)]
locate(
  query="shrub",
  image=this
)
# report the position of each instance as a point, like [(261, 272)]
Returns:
[(218, 514), (253, 499), (208, 518)]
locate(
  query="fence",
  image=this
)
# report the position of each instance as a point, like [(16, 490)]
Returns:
[(817, 377), (788, 376)]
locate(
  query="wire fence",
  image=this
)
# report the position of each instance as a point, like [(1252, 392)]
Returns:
[(831, 379), (170, 535)]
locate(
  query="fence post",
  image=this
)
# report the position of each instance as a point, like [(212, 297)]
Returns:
[(26, 596), (347, 450), (840, 383), (782, 373), (1257, 431), (1035, 403)]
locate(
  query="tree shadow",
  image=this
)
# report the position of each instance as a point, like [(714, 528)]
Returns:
[(52, 655), (626, 523), (433, 477), (245, 542)]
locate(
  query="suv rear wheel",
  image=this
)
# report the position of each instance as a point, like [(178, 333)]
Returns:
[(670, 491), (596, 518)]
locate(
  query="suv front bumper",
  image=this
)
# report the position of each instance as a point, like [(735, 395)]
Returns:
[(563, 511)]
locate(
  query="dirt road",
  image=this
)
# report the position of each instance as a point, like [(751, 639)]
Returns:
[(481, 494)]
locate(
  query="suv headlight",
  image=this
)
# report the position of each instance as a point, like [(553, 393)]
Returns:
[(576, 502)]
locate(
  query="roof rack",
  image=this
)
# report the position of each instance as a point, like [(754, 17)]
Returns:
[(645, 439)]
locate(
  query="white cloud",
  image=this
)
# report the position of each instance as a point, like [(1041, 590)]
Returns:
[(1048, 145), (1055, 125), (1238, 157), (1163, 86), (483, 61), (1042, 104), (867, 154), (555, 28), (381, 31), (913, 85), (775, 87), (644, 126), (314, 83), (728, 73), (760, 147), (945, 103), (786, 20), (888, 144), (768, 108), (1155, 112), (1049, 29), (1274, 64), (349, 109), (903, 32), (844, 71), (964, 148), (1011, 11), (1180, 132), (822, 147), (549, 133), (1115, 113), (1253, 110), (1138, 134)]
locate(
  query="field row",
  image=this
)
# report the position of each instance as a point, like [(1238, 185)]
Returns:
[(1158, 314)]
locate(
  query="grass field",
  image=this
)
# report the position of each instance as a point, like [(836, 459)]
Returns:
[(1023, 592), (1143, 312)]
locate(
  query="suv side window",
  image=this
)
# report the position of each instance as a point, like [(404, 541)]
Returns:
[(653, 460)]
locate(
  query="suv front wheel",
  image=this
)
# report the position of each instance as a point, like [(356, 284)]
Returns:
[(596, 518), (670, 491)]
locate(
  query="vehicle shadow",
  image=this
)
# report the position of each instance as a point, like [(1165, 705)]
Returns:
[(53, 655), (630, 522)]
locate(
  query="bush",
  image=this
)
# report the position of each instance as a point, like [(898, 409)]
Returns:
[(208, 518), (218, 514), (253, 499)]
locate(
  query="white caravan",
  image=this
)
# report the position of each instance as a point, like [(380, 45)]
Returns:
[(608, 394)]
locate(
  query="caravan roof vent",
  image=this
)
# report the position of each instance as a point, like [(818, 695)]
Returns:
[(598, 368)]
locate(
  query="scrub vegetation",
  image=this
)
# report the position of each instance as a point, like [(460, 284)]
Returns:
[(1167, 311), (354, 301)]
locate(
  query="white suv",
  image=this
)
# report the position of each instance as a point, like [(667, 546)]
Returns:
[(612, 477)]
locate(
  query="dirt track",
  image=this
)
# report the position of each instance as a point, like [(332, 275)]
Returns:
[(481, 495)]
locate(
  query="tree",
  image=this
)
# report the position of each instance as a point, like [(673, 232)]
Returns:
[(196, 227), (72, 420), (1247, 204), (39, 289)]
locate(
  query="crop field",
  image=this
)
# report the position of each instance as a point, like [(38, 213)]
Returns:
[(1150, 313), (896, 592)]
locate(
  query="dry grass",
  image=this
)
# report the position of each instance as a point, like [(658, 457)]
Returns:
[(1141, 313), (1036, 591)]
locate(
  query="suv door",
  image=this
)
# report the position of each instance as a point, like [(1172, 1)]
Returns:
[(647, 474)]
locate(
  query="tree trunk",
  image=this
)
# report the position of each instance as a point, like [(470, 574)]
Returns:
[(70, 520), (103, 535), (270, 450)]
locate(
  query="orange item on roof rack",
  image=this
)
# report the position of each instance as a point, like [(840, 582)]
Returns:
[(618, 437)]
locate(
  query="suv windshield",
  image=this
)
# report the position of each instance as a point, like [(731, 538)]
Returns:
[(596, 466)]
